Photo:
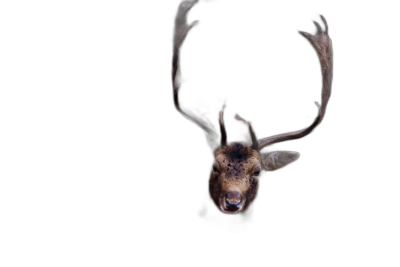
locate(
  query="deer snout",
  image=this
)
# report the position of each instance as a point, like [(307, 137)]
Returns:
[(233, 202)]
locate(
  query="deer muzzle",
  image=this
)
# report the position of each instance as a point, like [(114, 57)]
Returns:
[(232, 202)]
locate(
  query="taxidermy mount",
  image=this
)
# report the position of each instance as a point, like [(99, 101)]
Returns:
[(234, 175)]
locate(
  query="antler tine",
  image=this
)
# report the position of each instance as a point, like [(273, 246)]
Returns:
[(323, 46), (222, 130), (325, 23), (254, 144), (254, 141), (180, 32)]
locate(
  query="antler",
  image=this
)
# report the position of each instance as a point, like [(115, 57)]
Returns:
[(181, 30), (323, 45), (254, 144)]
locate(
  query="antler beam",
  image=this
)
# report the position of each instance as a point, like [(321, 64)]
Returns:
[(181, 30), (323, 45)]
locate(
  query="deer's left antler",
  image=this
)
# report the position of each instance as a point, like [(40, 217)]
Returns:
[(323, 45)]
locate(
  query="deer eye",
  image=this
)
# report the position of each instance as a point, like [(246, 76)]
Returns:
[(215, 169), (257, 173)]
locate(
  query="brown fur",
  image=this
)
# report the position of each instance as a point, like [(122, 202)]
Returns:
[(235, 165)]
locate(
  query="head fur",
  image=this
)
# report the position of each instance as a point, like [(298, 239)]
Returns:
[(233, 180)]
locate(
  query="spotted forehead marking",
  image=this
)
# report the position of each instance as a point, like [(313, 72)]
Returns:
[(238, 152)]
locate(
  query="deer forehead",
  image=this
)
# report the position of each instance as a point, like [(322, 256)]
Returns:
[(237, 155), (225, 163)]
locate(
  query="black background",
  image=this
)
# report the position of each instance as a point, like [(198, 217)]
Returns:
[(136, 172)]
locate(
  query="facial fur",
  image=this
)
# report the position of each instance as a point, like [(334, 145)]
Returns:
[(233, 180)]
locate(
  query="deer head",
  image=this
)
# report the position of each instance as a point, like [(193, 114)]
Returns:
[(234, 175)]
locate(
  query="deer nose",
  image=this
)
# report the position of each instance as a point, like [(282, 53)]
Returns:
[(233, 204)]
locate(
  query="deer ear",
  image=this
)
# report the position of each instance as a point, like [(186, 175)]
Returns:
[(278, 159)]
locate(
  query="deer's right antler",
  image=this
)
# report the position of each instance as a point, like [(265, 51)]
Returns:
[(323, 45), (181, 30)]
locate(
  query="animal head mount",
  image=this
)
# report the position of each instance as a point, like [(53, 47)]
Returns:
[(234, 175)]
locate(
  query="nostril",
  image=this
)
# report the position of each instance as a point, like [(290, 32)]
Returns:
[(233, 202)]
